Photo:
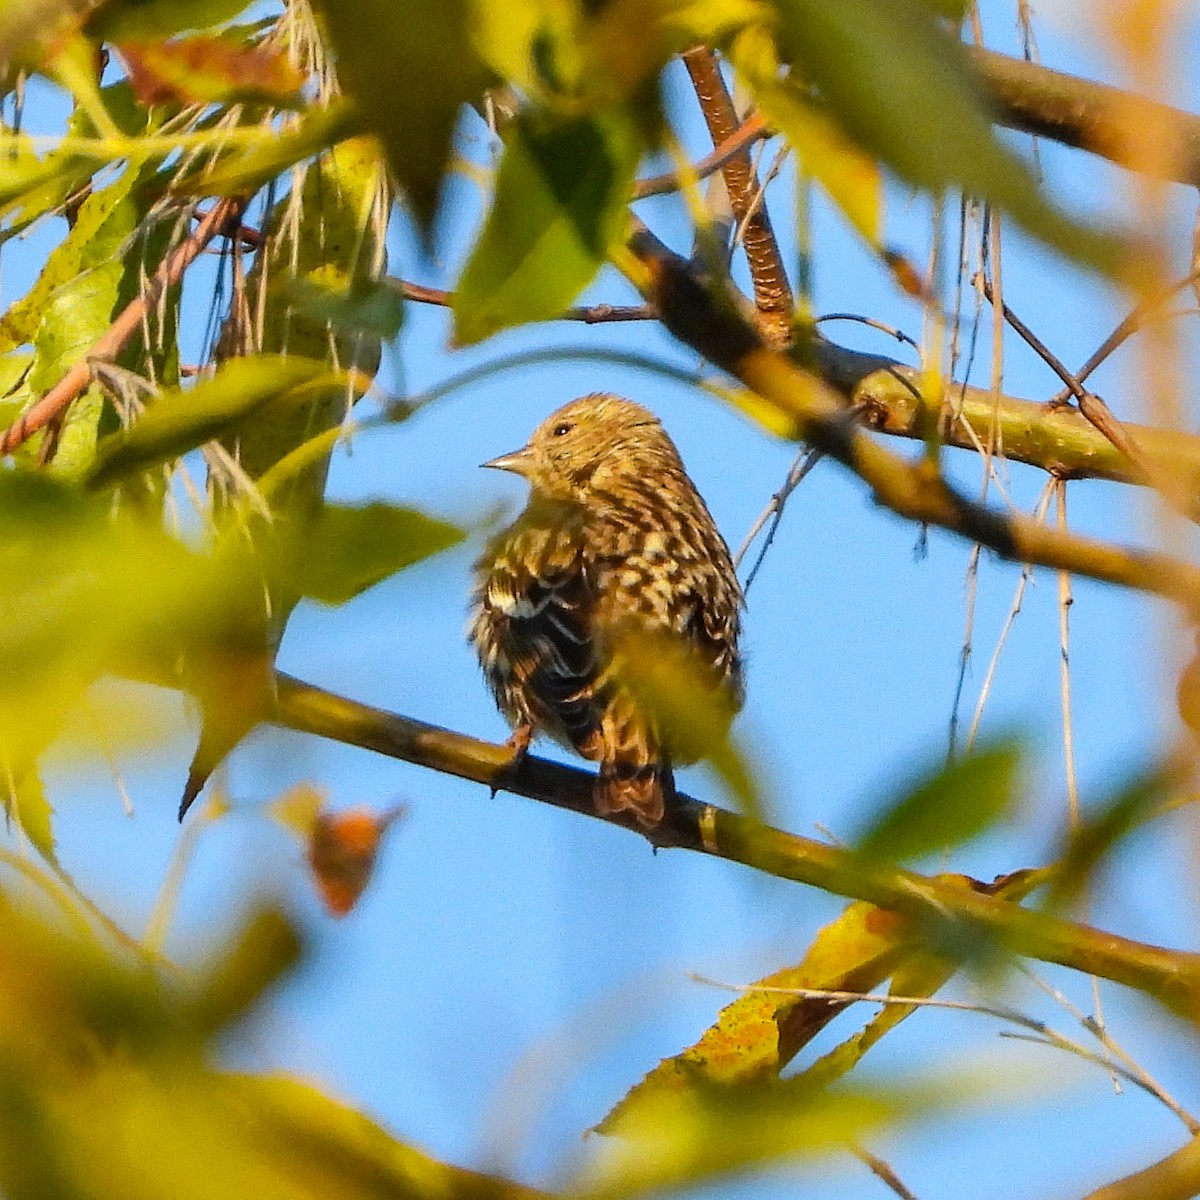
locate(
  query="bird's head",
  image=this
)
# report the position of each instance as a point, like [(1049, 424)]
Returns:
[(595, 440)]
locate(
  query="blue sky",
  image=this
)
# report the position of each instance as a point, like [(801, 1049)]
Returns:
[(509, 955)]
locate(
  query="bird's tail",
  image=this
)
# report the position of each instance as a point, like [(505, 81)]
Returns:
[(644, 789)]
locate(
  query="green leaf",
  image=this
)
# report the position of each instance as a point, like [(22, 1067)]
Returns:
[(852, 178), (116, 20), (351, 549), (86, 591), (434, 40), (705, 1132), (559, 207), (180, 420), (368, 307), (243, 171), (1106, 824), (102, 225), (948, 809), (899, 83), (27, 805)]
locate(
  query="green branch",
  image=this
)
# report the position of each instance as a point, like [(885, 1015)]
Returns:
[(1057, 438), (1171, 976)]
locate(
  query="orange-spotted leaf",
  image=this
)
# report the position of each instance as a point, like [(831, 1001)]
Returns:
[(209, 70), (342, 848), (919, 973), (760, 1032)]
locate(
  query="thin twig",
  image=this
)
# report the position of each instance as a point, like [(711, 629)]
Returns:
[(883, 1172), (593, 314), (891, 330), (1137, 318), (1092, 407), (1099, 1031), (56, 401), (1014, 611), (804, 462), (753, 129)]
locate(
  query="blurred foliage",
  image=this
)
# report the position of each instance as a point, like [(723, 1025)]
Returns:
[(110, 1085), (303, 119)]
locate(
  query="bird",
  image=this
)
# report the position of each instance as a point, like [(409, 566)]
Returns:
[(613, 576)]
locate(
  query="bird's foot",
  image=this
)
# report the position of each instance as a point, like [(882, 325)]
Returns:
[(518, 743)]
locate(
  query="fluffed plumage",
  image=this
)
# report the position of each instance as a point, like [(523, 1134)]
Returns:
[(615, 553)]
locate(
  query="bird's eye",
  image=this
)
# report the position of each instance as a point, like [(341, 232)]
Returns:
[(563, 427)]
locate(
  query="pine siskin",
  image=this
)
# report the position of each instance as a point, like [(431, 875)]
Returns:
[(615, 559)]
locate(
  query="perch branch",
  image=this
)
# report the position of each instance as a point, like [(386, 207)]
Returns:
[(1173, 976)]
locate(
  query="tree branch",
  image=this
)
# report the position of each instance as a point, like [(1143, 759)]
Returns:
[(772, 294), (1056, 438), (1091, 116), (1171, 976), (712, 322)]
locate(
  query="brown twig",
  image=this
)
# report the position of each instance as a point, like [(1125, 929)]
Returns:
[(59, 398), (1092, 407), (772, 293), (753, 129), (595, 314), (1102, 417), (1134, 321)]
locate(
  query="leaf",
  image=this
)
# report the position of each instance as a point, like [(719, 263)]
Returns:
[(101, 227), (350, 549), (559, 207), (209, 69), (949, 808), (1085, 848), (85, 282), (851, 178), (434, 40), (27, 805), (368, 307), (238, 172), (86, 591), (180, 420), (918, 973), (757, 1035), (334, 248), (119, 20), (342, 848), (266, 948), (900, 85), (710, 1132)]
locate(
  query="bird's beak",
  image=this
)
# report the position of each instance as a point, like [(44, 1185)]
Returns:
[(519, 462)]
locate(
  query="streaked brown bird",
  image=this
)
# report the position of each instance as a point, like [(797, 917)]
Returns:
[(614, 559)]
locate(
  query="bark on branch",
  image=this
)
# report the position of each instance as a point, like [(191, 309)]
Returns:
[(1104, 120), (709, 318), (1171, 976)]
